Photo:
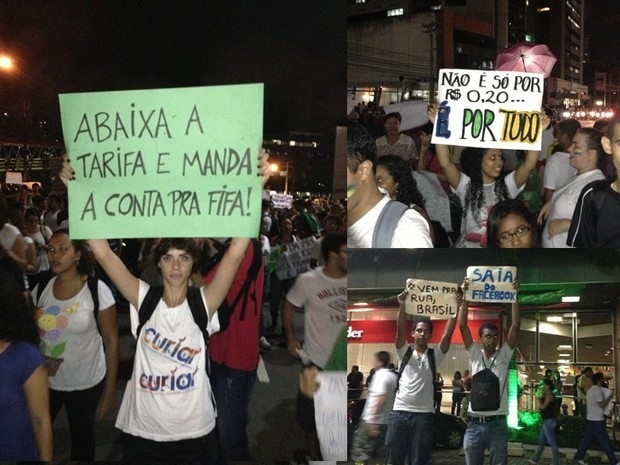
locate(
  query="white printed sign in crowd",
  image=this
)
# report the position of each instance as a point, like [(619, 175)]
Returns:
[(296, 259), (489, 109), (431, 298), (491, 284), (282, 201)]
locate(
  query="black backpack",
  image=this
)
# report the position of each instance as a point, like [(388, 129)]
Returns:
[(485, 395)]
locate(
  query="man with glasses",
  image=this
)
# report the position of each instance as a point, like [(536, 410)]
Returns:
[(411, 422), (488, 429)]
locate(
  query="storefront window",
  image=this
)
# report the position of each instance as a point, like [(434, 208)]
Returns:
[(594, 338)]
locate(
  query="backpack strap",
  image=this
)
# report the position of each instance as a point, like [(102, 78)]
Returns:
[(386, 224), (93, 287), (431, 361), (45, 278), (148, 306), (403, 364)]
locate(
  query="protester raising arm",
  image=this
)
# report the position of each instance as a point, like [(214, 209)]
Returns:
[(446, 339), (513, 332), (462, 317), (401, 322), (128, 284), (531, 156), (452, 173)]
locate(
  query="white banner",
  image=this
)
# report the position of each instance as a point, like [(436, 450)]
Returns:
[(491, 284), (489, 109), (434, 299), (330, 414), (413, 113), (13, 177), (283, 201), (296, 259)]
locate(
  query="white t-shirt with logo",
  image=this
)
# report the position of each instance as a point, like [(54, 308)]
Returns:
[(168, 397), (415, 390), (324, 301), (479, 362), (383, 384), (69, 332)]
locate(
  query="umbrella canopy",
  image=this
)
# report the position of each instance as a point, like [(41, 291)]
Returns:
[(526, 57)]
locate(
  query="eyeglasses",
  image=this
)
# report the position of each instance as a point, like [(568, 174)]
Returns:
[(519, 232)]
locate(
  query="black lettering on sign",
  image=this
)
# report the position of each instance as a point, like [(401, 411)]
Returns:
[(103, 126), (522, 126)]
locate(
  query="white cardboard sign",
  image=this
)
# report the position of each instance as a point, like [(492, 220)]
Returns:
[(434, 299), (491, 284), (489, 109)]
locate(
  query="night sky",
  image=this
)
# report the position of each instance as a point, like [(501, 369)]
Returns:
[(296, 47), (602, 24)]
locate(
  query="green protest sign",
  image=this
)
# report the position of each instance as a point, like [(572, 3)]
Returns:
[(164, 162)]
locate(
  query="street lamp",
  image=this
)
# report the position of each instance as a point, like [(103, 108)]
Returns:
[(6, 63), (274, 168)]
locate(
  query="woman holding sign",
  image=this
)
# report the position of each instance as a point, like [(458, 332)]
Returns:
[(168, 413), (481, 183)]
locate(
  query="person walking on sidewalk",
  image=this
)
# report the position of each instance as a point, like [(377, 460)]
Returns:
[(547, 434), (595, 426)]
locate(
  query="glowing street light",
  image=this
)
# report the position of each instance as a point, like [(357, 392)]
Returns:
[(6, 63)]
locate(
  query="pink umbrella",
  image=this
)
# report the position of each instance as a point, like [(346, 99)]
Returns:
[(526, 57)]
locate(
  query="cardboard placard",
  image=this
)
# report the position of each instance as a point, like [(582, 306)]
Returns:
[(164, 162), (434, 299), (330, 414), (489, 109), (283, 201), (296, 259), (491, 284)]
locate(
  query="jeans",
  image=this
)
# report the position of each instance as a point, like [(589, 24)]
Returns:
[(409, 434), (480, 436), (598, 429), (547, 435), (457, 398), (232, 390), (81, 407)]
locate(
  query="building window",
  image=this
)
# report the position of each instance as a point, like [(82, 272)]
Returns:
[(396, 12)]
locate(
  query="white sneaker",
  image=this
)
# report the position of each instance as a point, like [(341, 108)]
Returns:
[(581, 462), (264, 343)]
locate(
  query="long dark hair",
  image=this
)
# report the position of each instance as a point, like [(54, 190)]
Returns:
[(85, 264), (400, 171), (500, 211), (471, 165), (17, 321)]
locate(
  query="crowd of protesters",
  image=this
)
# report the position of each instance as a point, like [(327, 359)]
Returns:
[(565, 195), (63, 282)]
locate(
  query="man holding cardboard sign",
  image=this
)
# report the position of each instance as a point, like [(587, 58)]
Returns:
[(411, 423), (488, 408)]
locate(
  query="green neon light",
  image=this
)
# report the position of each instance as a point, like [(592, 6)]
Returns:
[(513, 391)]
